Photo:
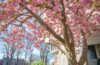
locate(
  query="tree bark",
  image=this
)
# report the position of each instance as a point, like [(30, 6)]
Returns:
[(25, 57), (87, 61), (70, 62)]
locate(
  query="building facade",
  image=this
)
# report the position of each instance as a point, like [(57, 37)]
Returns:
[(13, 62), (93, 52)]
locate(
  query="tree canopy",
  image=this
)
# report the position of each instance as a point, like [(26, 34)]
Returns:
[(58, 21)]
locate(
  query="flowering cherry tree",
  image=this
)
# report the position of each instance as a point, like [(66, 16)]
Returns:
[(62, 22)]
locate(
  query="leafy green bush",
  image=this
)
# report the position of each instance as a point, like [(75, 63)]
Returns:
[(38, 63)]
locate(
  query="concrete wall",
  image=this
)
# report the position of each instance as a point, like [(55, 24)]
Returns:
[(62, 60), (93, 62), (94, 40)]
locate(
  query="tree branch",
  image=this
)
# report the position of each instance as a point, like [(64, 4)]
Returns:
[(6, 25), (26, 19), (71, 38), (90, 14), (85, 48), (63, 21), (58, 48), (44, 24), (48, 7)]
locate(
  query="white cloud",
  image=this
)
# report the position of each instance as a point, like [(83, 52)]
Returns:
[(1, 56), (51, 60), (36, 51)]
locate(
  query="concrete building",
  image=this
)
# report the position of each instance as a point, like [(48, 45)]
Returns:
[(93, 52), (13, 62)]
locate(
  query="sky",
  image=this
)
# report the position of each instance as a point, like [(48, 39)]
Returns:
[(4, 1)]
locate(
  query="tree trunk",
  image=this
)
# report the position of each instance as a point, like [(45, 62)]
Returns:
[(25, 57), (73, 61), (7, 60), (87, 61), (70, 62), (17, 62)]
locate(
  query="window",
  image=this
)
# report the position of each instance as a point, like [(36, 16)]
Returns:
[(97, 47), (98, 63), (91, 52)]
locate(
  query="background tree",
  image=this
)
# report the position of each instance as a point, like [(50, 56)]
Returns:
[(8, 51), (44, 53)]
